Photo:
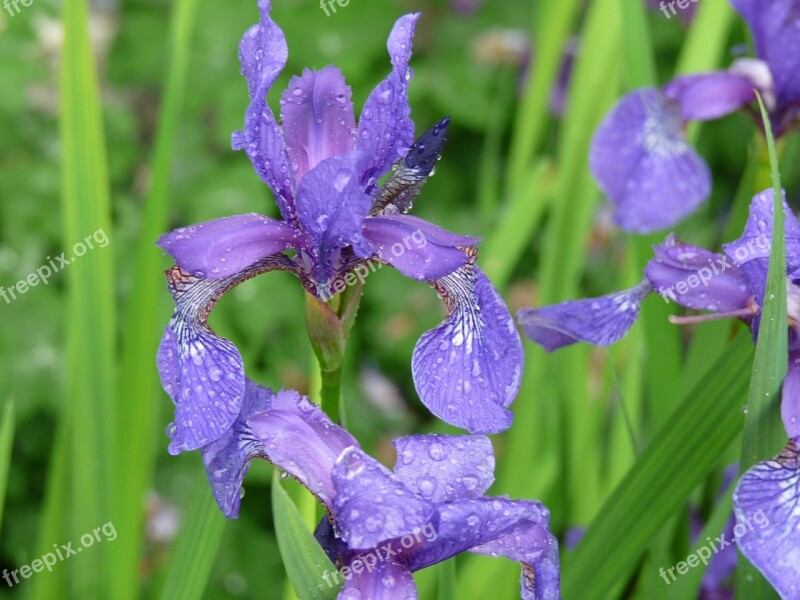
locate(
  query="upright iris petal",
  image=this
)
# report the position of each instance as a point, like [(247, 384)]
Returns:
[(385, 129), (317, 117), (263, 53)]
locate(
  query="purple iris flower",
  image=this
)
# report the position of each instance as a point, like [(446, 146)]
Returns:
[(429, 508), (640, 156), (337, 221), (728, 285)]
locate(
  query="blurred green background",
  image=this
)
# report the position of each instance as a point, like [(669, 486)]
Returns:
[(137, 141)]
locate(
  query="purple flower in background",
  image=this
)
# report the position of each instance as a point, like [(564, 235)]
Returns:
[(324, 171), (729, 285), (640, 156), (383, 525)]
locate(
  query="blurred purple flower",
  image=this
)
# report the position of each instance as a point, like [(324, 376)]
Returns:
[(324, 171), (429, 508), (729, 285), (640, 156)]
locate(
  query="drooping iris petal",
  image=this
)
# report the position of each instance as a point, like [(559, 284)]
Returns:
[(790, 398), (331, 207), (767, 507), (385, 128), (201, 372), (286, 429), (445, 468), (775, 25), (317, 117), (371, 504), (263, 53), (696, 278), (751, 251), (220, 248), (518, 529), (642, 162), (467, 370), (415, 247), (386, 580), (228, 458), (707, 96), (600, 321)]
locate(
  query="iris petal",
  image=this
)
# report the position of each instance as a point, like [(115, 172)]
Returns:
[(518, 529), (697, 278), (600, 321), (775, 25), (385, 581), (385, 128), (707, 96), (467, 370), (642, 162), (790, 398), (331, 207), (317, 117), (263, 53), (202, 372), (286, 429), (751, 251), (444, 468), (371, 504), (220, 248), (767, 507), (417, 248)]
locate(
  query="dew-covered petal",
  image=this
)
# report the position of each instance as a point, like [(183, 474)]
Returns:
[(600, 321), (775, 25), (706, 96), (517, 529), (642, 162), (317, 117), (331, 207), (385, 128), (263, 53), (767, 507), (751, 251), (202, 372), (223, 247), (467, 371), (415, 247), (696, 278), (445, 468), (300, 439), (228, 458), (790, 398), (371, 578), (371, 504)]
